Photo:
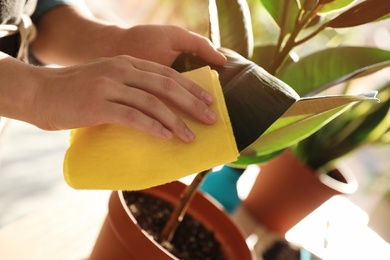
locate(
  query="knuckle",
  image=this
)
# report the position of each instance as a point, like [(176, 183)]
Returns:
[(199, 105), (118, 66), (194, 89), (155, 126), (132, 115), (122, 58), (168, 84), (167, 71), (176, 30), (152, 101), (178, 125)]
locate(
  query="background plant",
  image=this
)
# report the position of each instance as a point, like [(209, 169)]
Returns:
[(297, 23)]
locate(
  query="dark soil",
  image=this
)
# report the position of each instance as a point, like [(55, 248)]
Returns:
[(191, 240), (281, 250)]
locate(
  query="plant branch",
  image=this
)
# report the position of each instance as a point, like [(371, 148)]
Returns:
[(181, 208), (291, 43), (283, 26), (308, 37)]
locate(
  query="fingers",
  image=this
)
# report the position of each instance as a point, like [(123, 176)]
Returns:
[(168, 73), (148, 113), (123, 91), (197, 44), (117, 114), (175, 89), (152, 90)]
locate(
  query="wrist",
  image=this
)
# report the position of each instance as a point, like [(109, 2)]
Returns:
[(19, 85)]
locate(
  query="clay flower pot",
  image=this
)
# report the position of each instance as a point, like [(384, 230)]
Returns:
[(286, 191), (121, 237)]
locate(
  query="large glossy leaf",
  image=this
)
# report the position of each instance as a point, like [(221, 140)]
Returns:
[(329, 67), (365, 12), (283, 12), (304, 118), (364, 123), (254, 98), (231, 26), (263, 55)]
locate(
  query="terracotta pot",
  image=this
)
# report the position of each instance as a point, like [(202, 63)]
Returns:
[(286, 191), (121, 238), (379, 218)]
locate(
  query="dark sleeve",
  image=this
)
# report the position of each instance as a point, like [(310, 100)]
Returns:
[(45, 5)]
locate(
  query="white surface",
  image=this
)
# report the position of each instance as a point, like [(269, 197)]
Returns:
[(30, 169)]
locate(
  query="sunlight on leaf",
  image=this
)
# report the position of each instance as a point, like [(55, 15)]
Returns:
[(303, 119)]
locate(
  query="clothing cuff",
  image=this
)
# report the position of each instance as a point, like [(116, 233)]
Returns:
[(45, 5)]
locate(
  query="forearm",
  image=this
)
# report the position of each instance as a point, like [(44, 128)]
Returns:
[(68, 35), (19, 82)]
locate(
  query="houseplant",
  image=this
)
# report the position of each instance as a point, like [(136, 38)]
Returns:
[(297, 24), (277, 103), (242, 141), (311, 73), (279, 147), (318, 158)]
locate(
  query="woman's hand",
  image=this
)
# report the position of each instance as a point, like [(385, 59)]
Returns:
[(68, 36), (121, 90), (162, 44)]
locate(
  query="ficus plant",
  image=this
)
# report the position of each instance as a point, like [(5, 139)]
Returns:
[(297, 23), (266, 121)]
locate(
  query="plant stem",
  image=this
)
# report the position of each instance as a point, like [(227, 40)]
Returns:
[(181, 208), (321, 28), (283, 26), (301, 22), (283, 53)]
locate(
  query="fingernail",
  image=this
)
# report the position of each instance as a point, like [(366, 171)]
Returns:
[(190, 135), (207, 98), (223, 57), (167, 134), (211, 116)]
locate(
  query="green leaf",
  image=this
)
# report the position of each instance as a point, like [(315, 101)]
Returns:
[(251, 94), (262, 55), (365, 122), (384, 17), (365, 12), (328, 67), (231, 25), (244, 161), (283, 12), (308, 5), (302, 119), (335, 5)]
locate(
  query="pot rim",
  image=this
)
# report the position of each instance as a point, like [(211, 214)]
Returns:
[(134, 220), (348, 187), (202, 216)]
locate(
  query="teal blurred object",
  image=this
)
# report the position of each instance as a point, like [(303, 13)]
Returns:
[(221, 184), (305, 255)]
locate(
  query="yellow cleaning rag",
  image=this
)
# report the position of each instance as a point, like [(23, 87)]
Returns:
[(121, 158)]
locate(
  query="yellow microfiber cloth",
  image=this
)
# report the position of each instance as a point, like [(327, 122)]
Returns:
[(116, 157)]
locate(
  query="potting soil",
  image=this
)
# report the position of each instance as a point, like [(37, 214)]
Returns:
[(191, 240)]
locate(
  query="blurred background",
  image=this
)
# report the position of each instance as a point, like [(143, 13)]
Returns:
[(31, 159)]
